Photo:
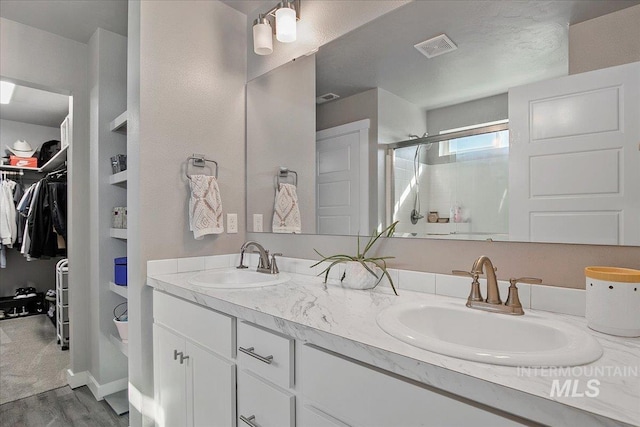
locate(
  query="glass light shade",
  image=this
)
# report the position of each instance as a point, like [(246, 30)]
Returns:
[(262, 39), (6, 92), (286, 24)]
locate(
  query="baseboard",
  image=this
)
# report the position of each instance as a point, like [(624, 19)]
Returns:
[(76, 380), (99, 391)]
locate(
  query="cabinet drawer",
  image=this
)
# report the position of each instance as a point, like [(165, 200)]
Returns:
[(210, 329), (269, 406), (309, 416), (363, 396), (266, 353)]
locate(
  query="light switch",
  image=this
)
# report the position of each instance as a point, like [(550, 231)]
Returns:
[(257, 223), (232, 223)]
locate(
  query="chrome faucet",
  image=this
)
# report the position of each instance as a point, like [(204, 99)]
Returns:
[(265, 265), (493, 302)]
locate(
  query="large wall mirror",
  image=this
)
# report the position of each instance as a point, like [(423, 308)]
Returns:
[(478, 133)]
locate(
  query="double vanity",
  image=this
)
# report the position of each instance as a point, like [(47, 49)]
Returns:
[(239, 347)]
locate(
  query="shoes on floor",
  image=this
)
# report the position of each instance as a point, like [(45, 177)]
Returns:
[(20, 293), (50, 295), (39, 307), (52, 311), (23, 312), (2, 314), (31, 292), (13, 312)]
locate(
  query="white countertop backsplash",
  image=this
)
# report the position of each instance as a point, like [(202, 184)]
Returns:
[(344, 320)]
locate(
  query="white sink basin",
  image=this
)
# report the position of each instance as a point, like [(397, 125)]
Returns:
[(233, 278), (455, 330)]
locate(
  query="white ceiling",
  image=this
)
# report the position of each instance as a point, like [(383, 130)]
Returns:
[(500, 45), (73, 19), (36, 106)]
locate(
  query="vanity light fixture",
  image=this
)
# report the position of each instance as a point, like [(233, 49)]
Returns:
[(262, 39), (283, 17), (6, 92)]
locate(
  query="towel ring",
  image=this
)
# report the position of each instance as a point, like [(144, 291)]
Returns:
[(198, 160), (284, 174)]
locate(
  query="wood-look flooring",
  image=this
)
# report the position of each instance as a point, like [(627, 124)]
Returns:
[(62, 407)]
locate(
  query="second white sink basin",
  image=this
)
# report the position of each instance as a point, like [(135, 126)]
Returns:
[(455, 330), (233, 278)]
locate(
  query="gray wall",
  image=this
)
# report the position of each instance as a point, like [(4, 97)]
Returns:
[(186, 94), (605, 41), (474, 112), (281, 132), (36, 58)]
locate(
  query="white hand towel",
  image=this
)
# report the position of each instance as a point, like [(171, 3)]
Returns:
[(205, 206), (286, 215)]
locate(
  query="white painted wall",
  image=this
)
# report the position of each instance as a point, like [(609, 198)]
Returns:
[(281, 131), (398, 118), (186, 94), (108, 89), (39, 59)]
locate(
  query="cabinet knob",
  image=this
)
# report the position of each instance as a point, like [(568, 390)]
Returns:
[(250, 351), (248, 420)]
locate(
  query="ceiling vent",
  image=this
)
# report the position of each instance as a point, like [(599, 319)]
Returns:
[(438, 45), (326, 98)]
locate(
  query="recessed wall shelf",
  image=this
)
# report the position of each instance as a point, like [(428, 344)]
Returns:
[(119, 178), (119, 124), (123, 291), (122, 346), (118, 233)]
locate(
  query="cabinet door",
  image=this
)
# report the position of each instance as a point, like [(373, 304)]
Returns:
[(211, 386), (169, 378)]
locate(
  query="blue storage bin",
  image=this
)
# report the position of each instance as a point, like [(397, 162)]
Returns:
[(120, 273)]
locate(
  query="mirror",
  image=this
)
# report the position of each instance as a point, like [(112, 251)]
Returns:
[(428, 136)]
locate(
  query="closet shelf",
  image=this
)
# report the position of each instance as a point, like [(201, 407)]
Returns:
[(54, 163), (119, 124), (118, 233), (123, 291), (122, 346), (119, 178)]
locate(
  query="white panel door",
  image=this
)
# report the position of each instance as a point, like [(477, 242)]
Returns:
[(574, 159), (211, 385), (342, 179), (169, 378)]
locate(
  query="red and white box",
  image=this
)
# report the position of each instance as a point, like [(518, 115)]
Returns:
[(24, 162)]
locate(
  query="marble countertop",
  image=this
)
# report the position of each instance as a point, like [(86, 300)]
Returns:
[(344, 321)]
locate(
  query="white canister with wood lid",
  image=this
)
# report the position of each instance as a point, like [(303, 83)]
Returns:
[(613, 300)]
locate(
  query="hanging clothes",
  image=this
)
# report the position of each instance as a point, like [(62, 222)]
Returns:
[(8, 225), (47, 214)]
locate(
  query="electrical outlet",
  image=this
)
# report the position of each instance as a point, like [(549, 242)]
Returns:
[(257, 223), (232, 223)]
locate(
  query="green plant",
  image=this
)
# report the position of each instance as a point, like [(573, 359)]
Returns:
[(362, 258)]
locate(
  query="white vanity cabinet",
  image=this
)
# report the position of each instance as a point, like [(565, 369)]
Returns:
[(194, 375), (341, 392)]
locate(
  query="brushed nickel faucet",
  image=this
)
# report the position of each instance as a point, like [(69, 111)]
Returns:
[(493, 303), (264, 265)]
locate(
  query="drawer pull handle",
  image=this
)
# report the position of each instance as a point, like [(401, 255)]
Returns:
[(250, 352), (183, 358), (248, 420), (176, 354)]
